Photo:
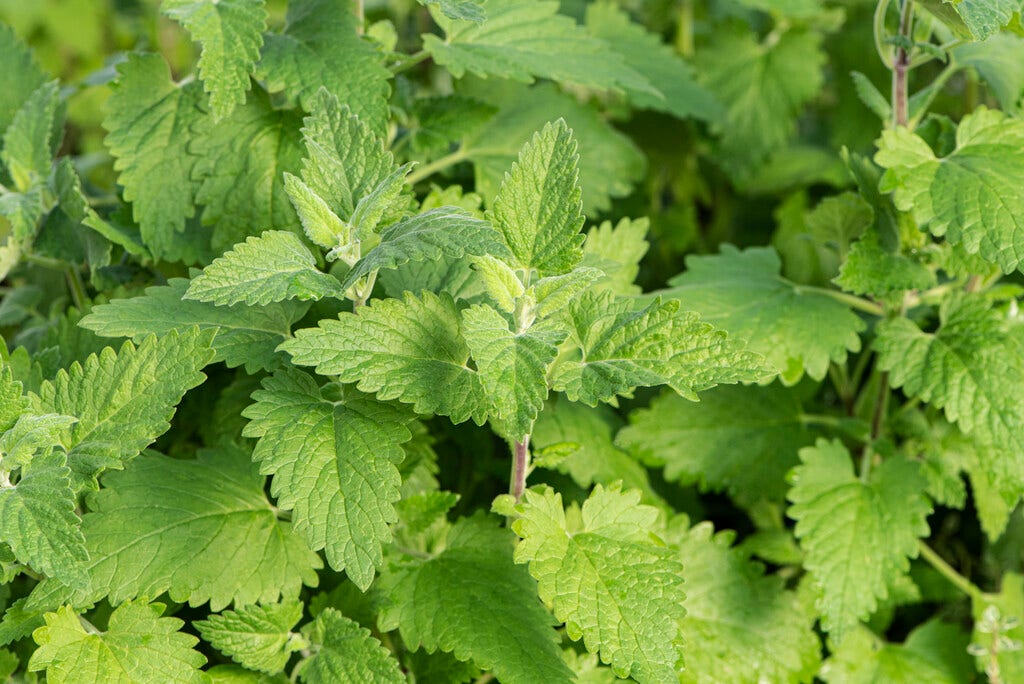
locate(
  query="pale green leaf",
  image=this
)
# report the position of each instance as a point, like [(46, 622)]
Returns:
[(347, 653), (977, 19), (244, 158), (679, 93), (138, 646), (408, 349), (610, 163), (258, 637), (321, 48), (244, 335), (27, 143), (38, 520), (22, 75), (871, 269), (624, 344), (124, 400), (999, 627), (273, 267), (150, 124), (935, 652), (334, 462), (763, 85), (617, 251), (758, 630), (321, 225), (604, 576), (538, 209), (501, 282), (472, 601), (797, 330), (858, 536), (467, 10), (1000, 61), (144, 531), (30, 434), (973, 195), (971, 367), (527, 39), (554, 293), (231, 33), (446, 232), (12, 403), (512, 366), (741, 440)]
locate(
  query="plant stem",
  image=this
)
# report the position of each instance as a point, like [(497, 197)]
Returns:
[(877, 418), (684, 29), (410, 61), (520, 468), (850, 300), (484, 678), (433, 167), (360, 17), (947, 571), (900, 115), (77, 288)]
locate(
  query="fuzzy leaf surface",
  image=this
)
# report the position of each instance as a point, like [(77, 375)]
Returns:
[(407, 349), (138, 646), (604, 576), (273, 267), (493, 618), (796, 330), (255, 636), (23, 76), (858, 536), (334, 463), (347, 653), (231, 33)]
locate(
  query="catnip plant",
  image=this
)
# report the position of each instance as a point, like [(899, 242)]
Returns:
[(512, 341)]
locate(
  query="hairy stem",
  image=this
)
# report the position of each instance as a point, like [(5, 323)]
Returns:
[(433, 167), (900, 67), (946, 570), (520, 468)]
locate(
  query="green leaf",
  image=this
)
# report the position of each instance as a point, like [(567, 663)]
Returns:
[(334, 463), (321, 48), (444, 119), (321, 225), (143, 529), (1000, 61), (150, 122), (973, 195), (538, 209), (617, 251), (594, 457), (554, 293), (124, 400), (12, 403), (345, 159), (759, 630), (38, 521), (741, 440), (244, 158), (500, 281), (512, 366), (493, 617), (409, 349), (527, 39), (610, 163), (258, 637), (797, 330), (30, 434), (22, 79), (347, 653), (857, 535), (606, 579), (679, 93), (933, 652), (971, 368), (763, 86), (138, 646), (998, 632), (447, 232), (273, 267), (27, 145), (870, 269), (231, 33), (977, 19), (624, 345), (244, 335), (467, 10)]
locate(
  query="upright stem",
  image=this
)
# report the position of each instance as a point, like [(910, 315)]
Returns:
[(360, 17), (684, 30), (900, 67), (520, 467)]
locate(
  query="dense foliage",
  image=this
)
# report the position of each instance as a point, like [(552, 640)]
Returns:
[(512, 340)]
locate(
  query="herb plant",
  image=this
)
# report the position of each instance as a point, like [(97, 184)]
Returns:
[(512, 340)]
